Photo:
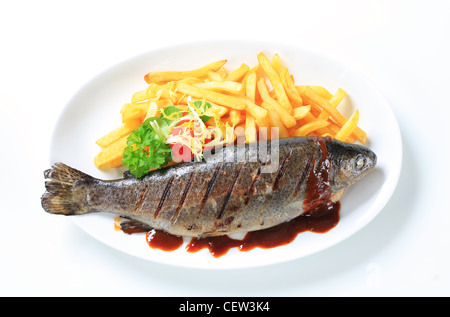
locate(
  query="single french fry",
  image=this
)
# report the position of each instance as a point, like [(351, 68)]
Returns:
[(336, 99), (222, 72), (334, 129), (249, 72), (275, 81), (250, 128), (153, 92), (235, 117), (125, 107), (290, 89), (347, 129), (265, 94), (310, 127), (277, 63), (115, 163), (301, 112), (250, 86), (135, 111), (233, 102), (218, 110), (275, 121), (111, 156), (124, 130), (166, 76), (259, 113), (309, 118), (313, 97), (263, 127), (140, 96), (322, 91), (214, 76), (238, 73), (225, 85)]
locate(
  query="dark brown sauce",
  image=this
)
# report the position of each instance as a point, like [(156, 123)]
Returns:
[(158, 239), (322, 216), (280, 235), (318, 185)]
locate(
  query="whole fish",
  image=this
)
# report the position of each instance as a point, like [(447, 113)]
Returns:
[(218, 196)]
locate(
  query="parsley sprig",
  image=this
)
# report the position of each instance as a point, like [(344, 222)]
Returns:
[(145, 149)]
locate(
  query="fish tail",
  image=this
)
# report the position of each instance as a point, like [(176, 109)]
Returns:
[(58, 198)]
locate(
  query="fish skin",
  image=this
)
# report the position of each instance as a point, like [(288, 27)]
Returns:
[(213, 197)]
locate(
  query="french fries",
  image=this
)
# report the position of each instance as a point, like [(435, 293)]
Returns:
[(124, 130), (271, 104), (276, 82), (348, 127), (222, 85), (238, 73), (314, 98), (210, 95), (255, 99), (301, 112), (111, 156), (163, 77)]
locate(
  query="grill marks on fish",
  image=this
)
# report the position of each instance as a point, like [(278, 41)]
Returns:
[(281, 171), (302, 178), (251, 189), (230, 192), (142, 198), (210, 186), (164, 196), (183, 197)]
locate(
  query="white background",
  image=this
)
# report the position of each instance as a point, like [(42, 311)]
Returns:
[(51, 48)]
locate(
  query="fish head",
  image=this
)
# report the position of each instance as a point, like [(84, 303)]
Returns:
[(349, 163)]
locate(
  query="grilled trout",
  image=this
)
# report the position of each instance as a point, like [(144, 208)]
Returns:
[(218, 196)]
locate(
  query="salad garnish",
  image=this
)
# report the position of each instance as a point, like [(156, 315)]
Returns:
[(174, 136)]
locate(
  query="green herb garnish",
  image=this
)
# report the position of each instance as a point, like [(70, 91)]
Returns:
[(146, 147)]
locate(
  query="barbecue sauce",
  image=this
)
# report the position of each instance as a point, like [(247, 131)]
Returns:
[(279, 235), (158, 239), (318, 185)]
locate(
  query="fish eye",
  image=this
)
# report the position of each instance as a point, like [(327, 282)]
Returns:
[(360, 162)]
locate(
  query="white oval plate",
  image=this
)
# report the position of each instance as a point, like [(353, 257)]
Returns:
[(95, 110)]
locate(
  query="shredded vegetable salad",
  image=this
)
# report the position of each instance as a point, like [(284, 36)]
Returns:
[(176, 135)]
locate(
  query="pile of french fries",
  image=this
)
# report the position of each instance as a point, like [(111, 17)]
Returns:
[(263, 96)]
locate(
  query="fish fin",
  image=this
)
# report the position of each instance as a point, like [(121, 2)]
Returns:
[(58, 198), (132, 226)]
